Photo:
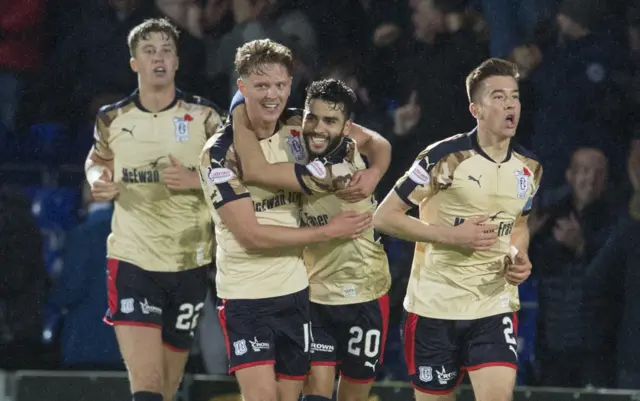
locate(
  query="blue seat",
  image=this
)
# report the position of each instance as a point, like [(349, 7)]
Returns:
[(55, 211), (46, 143)]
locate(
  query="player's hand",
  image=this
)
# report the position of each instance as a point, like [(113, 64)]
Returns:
[(104, 189), (406, 117), (178, 177), (361, 186), (519, 270), (568, 232), (475, 235), (348, 225)]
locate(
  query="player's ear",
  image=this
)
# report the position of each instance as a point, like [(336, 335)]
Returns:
[(241, 86), (347, 128), (133, 64), (476, 111)]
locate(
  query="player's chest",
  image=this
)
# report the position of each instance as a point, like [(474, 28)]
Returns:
[(145, 140), (488, 185)]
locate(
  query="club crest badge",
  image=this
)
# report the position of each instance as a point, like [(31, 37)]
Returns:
[(523, 181), (296, 147), (181, 127)]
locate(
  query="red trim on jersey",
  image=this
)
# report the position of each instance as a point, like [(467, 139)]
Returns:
[(383, 302), (250, 365), (112, 289), (409, 341)]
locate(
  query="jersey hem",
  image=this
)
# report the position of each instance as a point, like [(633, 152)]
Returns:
[(222, 295), (140, 265)]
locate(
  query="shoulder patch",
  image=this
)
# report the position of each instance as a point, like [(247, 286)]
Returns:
[(220, 175), (317, 169), (419, 174)]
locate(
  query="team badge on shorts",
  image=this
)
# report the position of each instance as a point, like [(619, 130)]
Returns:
[(126, 305), (523, 182), (181, 126), (240, 347), (295, 145), (426, 373)]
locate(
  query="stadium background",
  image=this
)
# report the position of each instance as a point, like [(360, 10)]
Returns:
[(406, 59)]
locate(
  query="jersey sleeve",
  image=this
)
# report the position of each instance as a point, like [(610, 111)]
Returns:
[(101, 138), (535, 185), (221, 179), (330, 173), (317, 177), (237, 100), (419, 182)]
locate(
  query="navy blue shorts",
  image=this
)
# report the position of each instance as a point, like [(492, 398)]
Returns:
[(351, 336), (265, 331), (439, 351), (170, 301)]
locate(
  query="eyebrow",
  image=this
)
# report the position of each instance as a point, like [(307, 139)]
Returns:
[(493, 92)]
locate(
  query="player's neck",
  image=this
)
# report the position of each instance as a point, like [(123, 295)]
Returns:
[(494, 146), (262, 129), (158, 99)]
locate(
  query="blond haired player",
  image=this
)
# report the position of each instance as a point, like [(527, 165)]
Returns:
[(349, 279), (145, 156), (261, 277), (462, 296)]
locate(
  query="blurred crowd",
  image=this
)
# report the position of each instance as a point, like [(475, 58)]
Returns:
[(406, 60)]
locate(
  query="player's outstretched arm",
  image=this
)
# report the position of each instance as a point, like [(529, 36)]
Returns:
[(256, 169), (238, 216)]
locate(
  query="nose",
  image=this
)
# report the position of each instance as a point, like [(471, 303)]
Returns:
[(272, 92)]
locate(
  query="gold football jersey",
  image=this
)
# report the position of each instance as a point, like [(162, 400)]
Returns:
[(259, 274), (154, 227), (451, 181), (340, 271)]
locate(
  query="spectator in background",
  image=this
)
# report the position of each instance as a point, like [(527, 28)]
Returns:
[(89, 69), (79, 296), (576, 330), (432, 80), (21, 29), (265, 19), (618, 260), (576, 101), (23, 283)]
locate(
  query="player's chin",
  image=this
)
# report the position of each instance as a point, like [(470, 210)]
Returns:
[(270, 115)]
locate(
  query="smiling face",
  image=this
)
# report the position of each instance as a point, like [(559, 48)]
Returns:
[(266, 91), (155, 59), (496, 105), (324, 125)]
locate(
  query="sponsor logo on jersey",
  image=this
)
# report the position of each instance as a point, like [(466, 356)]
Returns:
[(418, 174), (219, 175), (317, 169)]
